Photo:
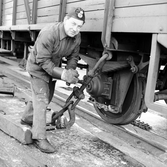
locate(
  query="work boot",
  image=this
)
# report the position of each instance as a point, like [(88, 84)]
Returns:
[(44, 145)]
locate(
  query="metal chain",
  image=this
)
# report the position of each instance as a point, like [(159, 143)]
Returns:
[(141, 125)]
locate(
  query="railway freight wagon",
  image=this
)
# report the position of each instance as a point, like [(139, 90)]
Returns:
[(134, 32)]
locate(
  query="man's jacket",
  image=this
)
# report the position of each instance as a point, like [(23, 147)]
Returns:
[(51, 46)]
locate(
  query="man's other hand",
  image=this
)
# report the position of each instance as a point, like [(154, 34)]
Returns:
[(70, 76)]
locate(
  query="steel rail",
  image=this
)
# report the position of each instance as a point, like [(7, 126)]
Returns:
[(153, 151)]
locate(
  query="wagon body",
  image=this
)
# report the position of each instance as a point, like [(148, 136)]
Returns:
[(129, 15)]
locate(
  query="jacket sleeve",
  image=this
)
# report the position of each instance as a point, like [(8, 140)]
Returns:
[(72, 60), (44, 46)]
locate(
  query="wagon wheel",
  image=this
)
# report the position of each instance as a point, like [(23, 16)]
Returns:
[(130, 108)]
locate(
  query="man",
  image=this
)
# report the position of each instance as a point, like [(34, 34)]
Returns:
[(43, 64)]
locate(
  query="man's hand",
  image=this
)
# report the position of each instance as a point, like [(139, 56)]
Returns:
[(70, 76)]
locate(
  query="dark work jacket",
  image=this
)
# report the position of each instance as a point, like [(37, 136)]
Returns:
[(51, 45)]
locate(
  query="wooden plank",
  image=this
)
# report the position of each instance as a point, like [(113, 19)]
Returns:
[(151, 19), (21, 15), (8, 1), (7, 18), (8, 61), (21, 8), (88, 6), (130, 3), (7, 11), (48, 19), (94, 21), (153, 138), (11, 125), (7, 23), (140, 25), (7, 5), (89, 1), (48, 11), (44, 3), (21, 2), (24, 27), (142, 11), (21, 22), (72, 1)]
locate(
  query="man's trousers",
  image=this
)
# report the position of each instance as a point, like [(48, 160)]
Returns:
[(42, 94)]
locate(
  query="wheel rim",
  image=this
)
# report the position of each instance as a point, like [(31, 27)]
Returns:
[(130, 108)]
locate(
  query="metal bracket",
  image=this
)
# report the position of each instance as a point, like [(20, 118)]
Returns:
[(136, 68), (13, 34), (32, 34), (133, 68)]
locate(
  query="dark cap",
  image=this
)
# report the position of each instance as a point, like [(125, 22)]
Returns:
[(77, 13)]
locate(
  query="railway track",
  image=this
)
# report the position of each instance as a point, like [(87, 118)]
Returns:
[(145, 147)]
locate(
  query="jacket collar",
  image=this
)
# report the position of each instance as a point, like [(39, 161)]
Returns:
[(62, 31)]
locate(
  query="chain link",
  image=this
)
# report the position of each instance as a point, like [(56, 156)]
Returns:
[(141, 125)]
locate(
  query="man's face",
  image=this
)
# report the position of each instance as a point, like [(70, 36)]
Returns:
[(72, 26)]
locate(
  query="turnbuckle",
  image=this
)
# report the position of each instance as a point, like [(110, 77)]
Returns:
[(56, 116), (78, 94)]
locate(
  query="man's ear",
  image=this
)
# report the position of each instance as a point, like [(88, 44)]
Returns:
[(66, 18)]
